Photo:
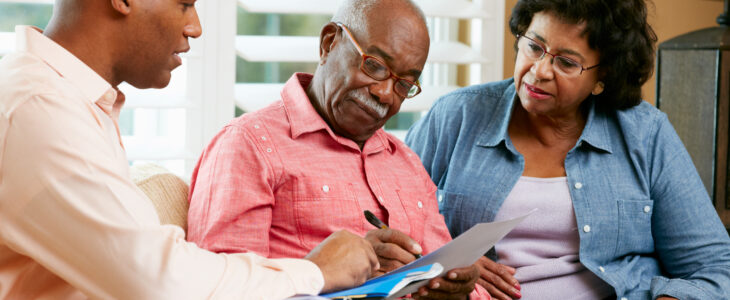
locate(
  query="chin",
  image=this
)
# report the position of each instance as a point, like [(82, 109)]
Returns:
[(161, 81), (531, 106), (155, 83), (161, 84)]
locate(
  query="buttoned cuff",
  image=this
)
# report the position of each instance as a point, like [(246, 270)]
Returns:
[(677, 288)]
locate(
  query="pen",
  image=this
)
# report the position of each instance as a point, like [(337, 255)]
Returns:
[(372, 219)]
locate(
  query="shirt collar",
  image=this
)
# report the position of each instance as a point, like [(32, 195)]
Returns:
[(496, 130), (303, 118), (92, 86), (596, 131), (594, 134)]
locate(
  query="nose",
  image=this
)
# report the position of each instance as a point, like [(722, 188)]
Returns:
[(383, 91), (543, 67), (193, 28)]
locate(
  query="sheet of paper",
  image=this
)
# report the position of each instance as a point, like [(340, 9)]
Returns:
[(465, 249)]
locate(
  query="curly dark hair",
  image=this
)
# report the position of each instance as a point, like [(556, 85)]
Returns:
[(617, 29)]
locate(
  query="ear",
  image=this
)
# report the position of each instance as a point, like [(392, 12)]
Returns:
[(327, 41), (598, 88), (121, 6)]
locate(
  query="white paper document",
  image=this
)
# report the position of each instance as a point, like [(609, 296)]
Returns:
[(464, 250)]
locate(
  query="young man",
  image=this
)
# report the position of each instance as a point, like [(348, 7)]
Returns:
[(72, 224)]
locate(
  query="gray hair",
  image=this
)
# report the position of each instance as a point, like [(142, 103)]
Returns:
[(353, 13)]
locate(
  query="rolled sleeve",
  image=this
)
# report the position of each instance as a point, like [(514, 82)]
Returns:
[(677, 288), (690, 239)]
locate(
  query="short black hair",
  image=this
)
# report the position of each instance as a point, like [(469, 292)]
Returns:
[(617, 29)]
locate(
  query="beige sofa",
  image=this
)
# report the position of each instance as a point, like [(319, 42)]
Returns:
[(167, 191)]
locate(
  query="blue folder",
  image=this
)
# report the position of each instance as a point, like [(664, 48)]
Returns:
[(389, 284)]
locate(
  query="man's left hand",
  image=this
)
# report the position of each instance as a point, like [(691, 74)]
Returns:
[(394, 249), (457, 284)]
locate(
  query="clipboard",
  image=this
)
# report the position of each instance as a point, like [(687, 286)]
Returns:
[(390, 284)]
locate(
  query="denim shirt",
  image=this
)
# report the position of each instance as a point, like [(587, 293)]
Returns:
[(646, 223)]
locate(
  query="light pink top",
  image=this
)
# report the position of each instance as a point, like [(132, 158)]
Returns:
[(544, 247), (73, 225)]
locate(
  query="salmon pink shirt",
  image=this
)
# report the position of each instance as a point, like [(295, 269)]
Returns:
[(278, 181)]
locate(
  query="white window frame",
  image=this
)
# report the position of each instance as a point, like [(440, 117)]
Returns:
[(209, 88), (203, 87), (484, 56)]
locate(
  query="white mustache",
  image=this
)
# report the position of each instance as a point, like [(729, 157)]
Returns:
[(364, 98)]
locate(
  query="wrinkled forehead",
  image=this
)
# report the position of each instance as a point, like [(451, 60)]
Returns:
[(396, 37), (395, 17)]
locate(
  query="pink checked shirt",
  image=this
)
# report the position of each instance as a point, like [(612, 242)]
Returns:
[(278, 181)]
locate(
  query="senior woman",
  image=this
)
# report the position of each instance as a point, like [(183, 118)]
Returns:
[(622, 212)]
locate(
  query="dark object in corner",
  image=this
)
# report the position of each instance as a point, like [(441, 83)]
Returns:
[(693, 88)]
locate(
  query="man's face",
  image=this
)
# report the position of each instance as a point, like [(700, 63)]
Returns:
[(354, 104), (159, 33)]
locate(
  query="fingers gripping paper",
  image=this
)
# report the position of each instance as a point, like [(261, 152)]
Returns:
[(461, 252), (464, 250)]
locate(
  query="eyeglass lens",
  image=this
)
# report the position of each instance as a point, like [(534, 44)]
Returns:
[(535, 51), (379, 71)]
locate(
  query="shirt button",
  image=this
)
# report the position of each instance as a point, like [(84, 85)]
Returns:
[(602, 269), (420, 204), (578, 185), (263, 138), (256, 126), (380, 199), (325, 188), (586, 228), (647, 209), (441, 198), (268, 150)]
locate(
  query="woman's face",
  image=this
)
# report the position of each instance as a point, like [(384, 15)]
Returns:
[(541, 89)]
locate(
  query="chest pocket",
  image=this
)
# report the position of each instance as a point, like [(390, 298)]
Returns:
[(323, 206), (415, 203), (634, 227)]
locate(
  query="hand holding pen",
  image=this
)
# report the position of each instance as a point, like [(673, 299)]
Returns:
[(389, 243), (394, 248)]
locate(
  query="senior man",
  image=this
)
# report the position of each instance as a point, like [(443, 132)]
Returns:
[(278, 181), (72, 223)]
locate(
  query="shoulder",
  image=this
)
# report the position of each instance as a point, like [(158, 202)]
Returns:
[(641, 114), (34, 98), (470, 107), (473, 98), (24, 77), (642, 122), (410, 157), (253, 132), (270, 118), (402, 149)]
